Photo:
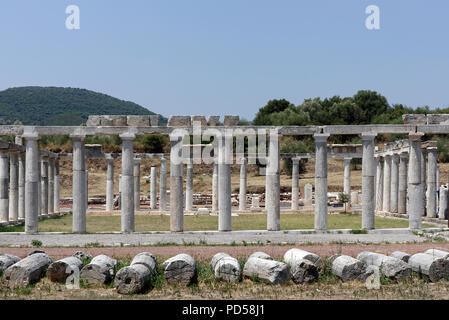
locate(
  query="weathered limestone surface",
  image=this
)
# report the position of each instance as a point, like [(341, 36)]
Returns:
[(212, 121), (389, 266), (21, 205), (13, 186), (138, 121), (127, 184), (199, 119), (295, 184), (438, 253), (242, 189), (368, 175), (231, 120), (179, 121), (260, 255), (215, 188), (224, 183), (176, 183), (394, 183), (51, 186), (27, 270), (79, 185), (4, 185), (110, 185), (387, 184), (443, 211), (180, 269), (415, 190), (189, 187), (293, 255), (347, 176), (304, 271), (347, 268), (136, 174), (225, 267), (379, 184), (402, 188), (266, 270), (31, 183), (431, 183), (57, 188), (400, 255), (308, 195), (136, 277), (414, 119), (7, 260), (321, 181), (273, 184), (435, 268), (163, 185), (154, 120), (60, 270), (99, 270)]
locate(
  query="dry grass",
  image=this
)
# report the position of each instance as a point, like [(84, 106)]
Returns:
[(327, 287)]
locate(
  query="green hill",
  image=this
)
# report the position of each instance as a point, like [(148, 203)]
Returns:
[(60, 106)]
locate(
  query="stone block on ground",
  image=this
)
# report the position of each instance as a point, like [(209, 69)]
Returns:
[(268, 271), (28, 270), (348, 268), (438, 253), (136, 277), (226, 267), (60, 270), (390, 267), (180, 269), (294, 254), (99, 270), (400, 255), (433, 267), (7, 260)]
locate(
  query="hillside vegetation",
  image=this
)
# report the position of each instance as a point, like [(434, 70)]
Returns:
[(60, 106)]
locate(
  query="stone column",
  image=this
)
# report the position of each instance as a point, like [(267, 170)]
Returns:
[(379, 183), (189, 186), (414, 181), (21, 205), (423, 179), (39, 187), (153, 188), (402, 189), (163, 186), (321, 181), (387, 183), (224, 182), (13, 186), (31, 182), (295, 184), (51, 186), (136, 173), (442, 212), (57, 188), (87, 189), (273, 184), (215, 187), (127, 185), (44, 186), (176, 197), (347, 176), (394, 189), (431, 182), (110, 185), (368, 173), (4, 184), (79, 191), (242, 189)]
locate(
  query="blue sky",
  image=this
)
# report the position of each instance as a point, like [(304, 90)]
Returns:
[(229, 56)]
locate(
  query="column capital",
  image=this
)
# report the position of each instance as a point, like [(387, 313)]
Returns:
[(30, 134), (368, 135), (415, 136), (321, 136), (128, 136), (432, 149), (78, 137)]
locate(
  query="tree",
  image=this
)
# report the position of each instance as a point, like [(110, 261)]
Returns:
[(273, 106), (372, 103)]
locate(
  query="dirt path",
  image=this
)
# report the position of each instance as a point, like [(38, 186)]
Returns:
[(206, 252)]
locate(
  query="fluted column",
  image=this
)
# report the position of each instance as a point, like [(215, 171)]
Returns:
[(347, 176), (39, 187), (415, 189), (224, 182), (402, 189), (295, 184), (57, 188), (163, 185), (273, 184), (13, 186), (379, 183), (215, 187), (31, 182), (176, 205), (423, 179), (321, 181), (4, 183), (153, 188), (387, 183), (368, 172), (394, 189), (21, 205), (44, 186), (431, 182), (51, 186), (127, 184), (110, 185), (79, 184), (242, 189), (136, 174), (189, 187)]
